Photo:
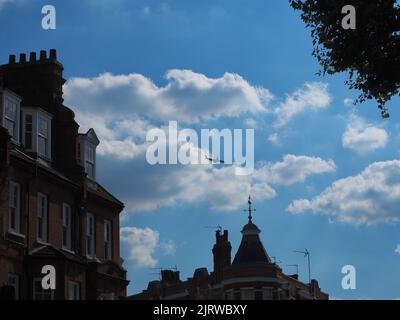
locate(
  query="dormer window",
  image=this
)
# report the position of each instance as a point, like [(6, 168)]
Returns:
[(43, 136), (86, 152), (9, 111), (90, 160), (36, 136)]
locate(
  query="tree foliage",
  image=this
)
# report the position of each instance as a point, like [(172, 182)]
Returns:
[(370, 53)]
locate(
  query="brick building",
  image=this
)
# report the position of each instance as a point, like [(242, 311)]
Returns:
[(52, 209), (252, 275)]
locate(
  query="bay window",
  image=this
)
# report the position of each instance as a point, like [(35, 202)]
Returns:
[(36, 125), (10, 113)]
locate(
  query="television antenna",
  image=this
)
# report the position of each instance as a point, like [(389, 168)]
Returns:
[(275, 260), (218, 228), (306, 254)]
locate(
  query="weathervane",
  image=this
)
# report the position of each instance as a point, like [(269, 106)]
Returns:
[(250, 210)]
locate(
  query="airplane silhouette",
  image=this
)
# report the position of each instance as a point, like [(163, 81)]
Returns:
[(215, 160)]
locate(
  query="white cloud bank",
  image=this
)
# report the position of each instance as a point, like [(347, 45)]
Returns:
[(122, 108), (188, 97), (369, 198), (145, 188), (313, 96), (362, 137)]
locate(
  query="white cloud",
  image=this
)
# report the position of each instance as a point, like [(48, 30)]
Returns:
[(169, 247), (348, 102), (187, 97), (142, 244), (251, 123), (273, 138), (363, 138), (313, 96), (143, 187), (397, 250), (122, 108), (369, 198), (294, 169)]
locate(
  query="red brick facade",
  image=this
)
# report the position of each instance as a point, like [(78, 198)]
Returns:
[(48, 171)]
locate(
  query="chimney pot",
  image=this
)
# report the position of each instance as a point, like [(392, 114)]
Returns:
[(32, 57), (22, 58), (53, 54), (43, 55), (11, 59)]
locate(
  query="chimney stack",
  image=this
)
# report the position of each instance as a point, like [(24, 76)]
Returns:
[(53, 54), (43, 55), (12, 59), (22, 58), (32, 57), (222, 254)]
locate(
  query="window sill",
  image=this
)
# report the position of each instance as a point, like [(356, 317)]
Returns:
[(16, 234), (67, 250), (42, 242)]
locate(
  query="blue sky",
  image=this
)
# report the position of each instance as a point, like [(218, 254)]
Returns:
[(327, 172)]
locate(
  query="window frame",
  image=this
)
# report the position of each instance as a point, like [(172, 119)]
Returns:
[(17, 208), (44, 222), (47, 137), (90, 159), (74, 285), (10, 97), (16, 284), (90, 235), (42, 292), (37, 115), (67, 226), (108, 240)]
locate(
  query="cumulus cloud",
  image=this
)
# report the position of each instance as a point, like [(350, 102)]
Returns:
[(294, 169), (369, 198), (122, 108), (187, 97), (397, 250), (142, 244), (362, 137), (313, 96), (348, 102)]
